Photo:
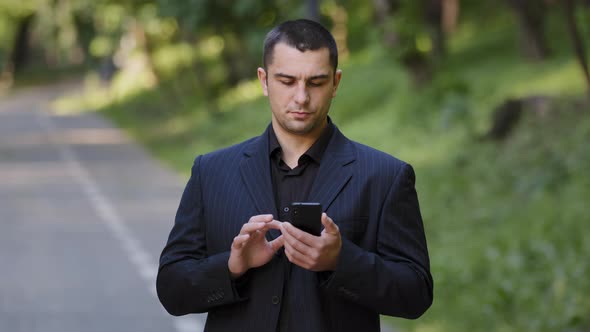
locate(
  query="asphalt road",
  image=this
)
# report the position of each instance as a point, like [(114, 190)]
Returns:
[(84, 214)]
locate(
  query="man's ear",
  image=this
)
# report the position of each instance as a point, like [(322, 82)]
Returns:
[(337, 77), (263, 80)]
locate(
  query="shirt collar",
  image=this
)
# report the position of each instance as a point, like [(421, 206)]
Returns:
[(315, 152)]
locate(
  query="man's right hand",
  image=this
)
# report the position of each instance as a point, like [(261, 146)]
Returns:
[(250, 248)]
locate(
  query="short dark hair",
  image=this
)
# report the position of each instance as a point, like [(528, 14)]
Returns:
[(302, 34)]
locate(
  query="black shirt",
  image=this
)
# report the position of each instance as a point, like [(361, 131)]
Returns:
[(294, 185)]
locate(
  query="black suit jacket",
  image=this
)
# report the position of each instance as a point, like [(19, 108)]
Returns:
[(383, 267)]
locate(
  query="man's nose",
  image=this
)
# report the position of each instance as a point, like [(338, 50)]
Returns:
[(301, 95)]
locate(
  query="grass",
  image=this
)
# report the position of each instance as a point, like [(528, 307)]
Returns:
[(504, 223)]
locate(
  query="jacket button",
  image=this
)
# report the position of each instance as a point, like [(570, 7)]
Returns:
[(275, 300)]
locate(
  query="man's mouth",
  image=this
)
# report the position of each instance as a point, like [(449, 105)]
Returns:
[(300, 114)]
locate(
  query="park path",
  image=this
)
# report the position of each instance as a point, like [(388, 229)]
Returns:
[(84, 214)]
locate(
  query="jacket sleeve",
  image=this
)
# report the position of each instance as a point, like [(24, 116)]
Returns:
[(190, 281), (395, 280)]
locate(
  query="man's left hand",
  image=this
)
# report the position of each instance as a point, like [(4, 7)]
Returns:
[(314, 253)]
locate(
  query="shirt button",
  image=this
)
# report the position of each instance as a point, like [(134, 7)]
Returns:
[(286, 209), (275, 300)]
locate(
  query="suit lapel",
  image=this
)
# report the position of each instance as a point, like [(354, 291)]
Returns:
[(335, 170), (255, 170)]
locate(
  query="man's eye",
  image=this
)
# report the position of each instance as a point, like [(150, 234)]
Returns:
[(315, 83), (287, 82)]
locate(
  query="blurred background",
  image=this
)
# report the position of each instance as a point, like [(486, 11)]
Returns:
[(489, 100)]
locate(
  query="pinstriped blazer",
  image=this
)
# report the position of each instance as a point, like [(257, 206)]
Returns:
[(383, 267)]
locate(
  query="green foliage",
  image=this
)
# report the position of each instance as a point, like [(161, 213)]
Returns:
[(506, 229)]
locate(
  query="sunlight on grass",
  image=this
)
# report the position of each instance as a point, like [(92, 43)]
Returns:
[(175, 126), (134, 78), (411, 144), (93, 96), (562, 79)]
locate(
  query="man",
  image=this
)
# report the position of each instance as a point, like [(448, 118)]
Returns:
[(233, 253)]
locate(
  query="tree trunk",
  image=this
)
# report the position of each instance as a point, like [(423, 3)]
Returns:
[(19, 54), (340, 30), (20, 51), (419, 67), (450, 15), (577, 42), (434, 15), (531, 17), (313, 10), (383, 10), (85, 32)]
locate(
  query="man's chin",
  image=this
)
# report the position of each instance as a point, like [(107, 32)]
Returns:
[(301, 128)]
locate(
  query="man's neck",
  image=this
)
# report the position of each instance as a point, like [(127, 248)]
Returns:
[(294, 146)]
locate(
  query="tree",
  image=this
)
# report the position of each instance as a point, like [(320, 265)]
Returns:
[(22, 13), (384, 16), (21, 46), (433, 13), (531, 18), (313, 10), (569, 6), (450, 15)]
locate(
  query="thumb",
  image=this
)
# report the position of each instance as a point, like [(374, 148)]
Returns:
[(277, 243), (329, 226)]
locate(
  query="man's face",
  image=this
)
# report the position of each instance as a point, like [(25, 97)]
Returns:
[(300, 87)]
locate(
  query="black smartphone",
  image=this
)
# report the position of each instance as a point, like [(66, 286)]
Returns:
[(307, 216)]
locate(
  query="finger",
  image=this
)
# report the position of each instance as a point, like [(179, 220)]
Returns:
[(261, 218), (270, 225), (297, 258), (240, 241), (329, 226), (277, 243), (295, 245), (257, 234), (274, 224), (249, 227)]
